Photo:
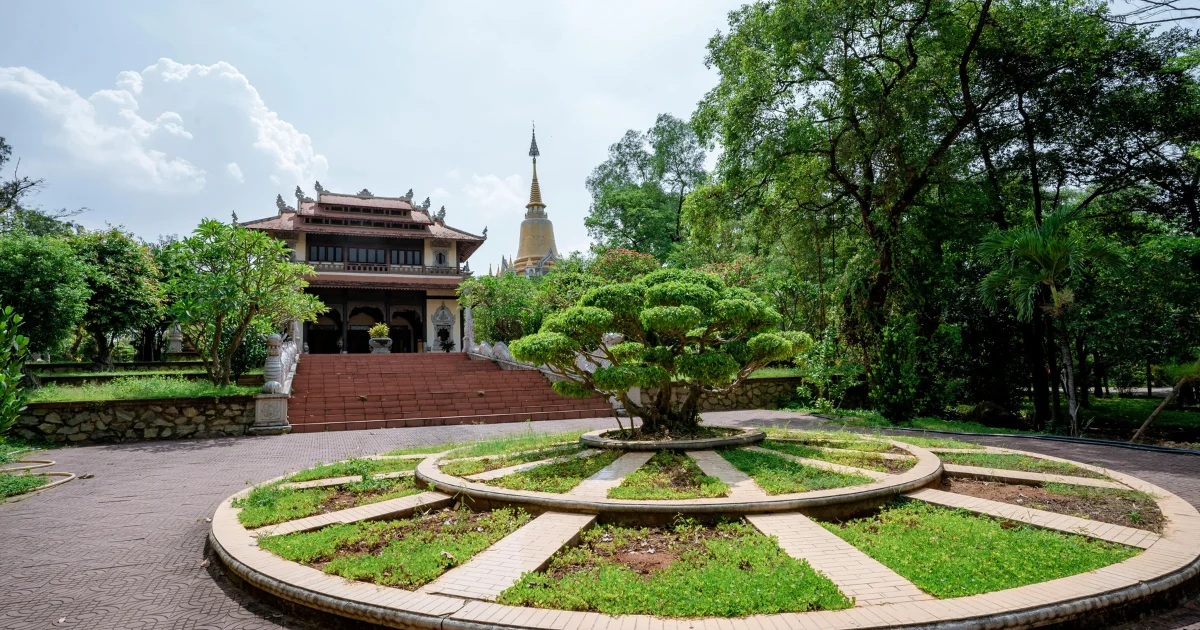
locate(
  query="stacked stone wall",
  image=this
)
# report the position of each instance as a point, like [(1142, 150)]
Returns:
[(124, 420)]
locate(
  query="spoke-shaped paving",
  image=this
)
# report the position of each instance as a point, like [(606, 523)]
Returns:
[(741, 486)]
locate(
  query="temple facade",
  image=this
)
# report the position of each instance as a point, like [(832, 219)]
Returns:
[(536, 251), (377, 259)]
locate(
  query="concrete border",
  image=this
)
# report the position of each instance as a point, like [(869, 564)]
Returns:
[(595, 439), (1171, 562), (66, 476)]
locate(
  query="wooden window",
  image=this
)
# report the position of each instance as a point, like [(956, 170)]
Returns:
[(337, 254), (312, 252)]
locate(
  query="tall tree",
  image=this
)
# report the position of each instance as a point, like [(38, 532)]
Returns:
[(125, 294), (45, 282), (639, 191)]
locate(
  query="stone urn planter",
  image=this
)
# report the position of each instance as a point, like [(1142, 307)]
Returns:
[(381, 345)]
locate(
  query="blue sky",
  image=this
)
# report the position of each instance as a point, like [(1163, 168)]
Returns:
[(156, 114)]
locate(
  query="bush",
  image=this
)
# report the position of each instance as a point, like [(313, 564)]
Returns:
[(896, 378), (379, 331), (14, 348), (252, 353), (623, 265)]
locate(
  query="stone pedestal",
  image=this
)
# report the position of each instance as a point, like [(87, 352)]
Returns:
[(381, 345), (270, 414), (175, 340)]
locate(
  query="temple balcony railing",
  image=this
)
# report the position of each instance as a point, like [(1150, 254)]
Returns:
[(404, 270)]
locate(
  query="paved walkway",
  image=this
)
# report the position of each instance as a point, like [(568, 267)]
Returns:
[(609, 477), (741, 486), (125, 550)]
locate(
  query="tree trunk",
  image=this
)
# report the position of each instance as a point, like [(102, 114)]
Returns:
[(1036, 360), (104, 360), (1157, 410), (1069, 380), (1098, 372), (1055, 376), (1081, 357), (1149, 380)]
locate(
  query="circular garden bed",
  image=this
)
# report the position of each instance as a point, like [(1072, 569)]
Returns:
[(794, 529)]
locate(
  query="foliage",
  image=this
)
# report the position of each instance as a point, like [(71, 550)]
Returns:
[(354, 468), (954, 553), (411, 552), (139, 387), (735, 573), (228, 277), (622, 265), (251, 354), (894, 389), (558, 477), (776, 475), (12, 484), (41, 278), (504, 308), (14, 348), (123, 283), (379, 331), (669, 475), (639, 191), (678, 328)]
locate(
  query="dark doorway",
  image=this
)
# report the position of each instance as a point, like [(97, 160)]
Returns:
[(325, 333), (405, 330), (358, 327)]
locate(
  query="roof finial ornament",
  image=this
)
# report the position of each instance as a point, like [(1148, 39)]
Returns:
[(317, 186), (299, 196), (441, 214), (533, 150), (234, 213), (279, 204), (425, 204), (409, 194), (365, 193), (485, 232)]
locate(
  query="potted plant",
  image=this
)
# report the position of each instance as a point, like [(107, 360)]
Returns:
[(380, 342), (447, 344)]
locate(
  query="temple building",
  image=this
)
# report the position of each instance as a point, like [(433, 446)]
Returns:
[(377, 259), (536, 251)]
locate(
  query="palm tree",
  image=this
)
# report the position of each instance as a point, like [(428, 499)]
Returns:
[(1038, 265)]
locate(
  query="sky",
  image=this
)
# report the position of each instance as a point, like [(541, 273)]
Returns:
[(154, 115)]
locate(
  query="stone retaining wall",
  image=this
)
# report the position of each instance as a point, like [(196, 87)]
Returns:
[(121, 420), (754, 393)]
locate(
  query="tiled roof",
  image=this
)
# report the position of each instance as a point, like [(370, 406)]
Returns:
[(364, 202), (333, 280)]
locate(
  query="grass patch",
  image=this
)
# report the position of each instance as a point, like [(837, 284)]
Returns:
[(669, 475), (559, 477), (464, 467), (731, 570), (271, 504), (527, 440), (776, 475), (777, 372), (137, 387), (13, 448), (12, 484), (354, 468), (954, 553), (961, 426), (405, 553), (924, 442), (1018, 462), (832, 439), (869, 461)]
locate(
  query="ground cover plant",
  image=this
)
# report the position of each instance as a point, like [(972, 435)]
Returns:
[(137, 387), (669, 475), (12, 484), (465, 467), (406, 553), (925, 442), (954, 553), (1018, 462), (777, 372), (558, 477), (355, 467), (730, 570), (13, 448), (271, 504), (831, 439), (526, 440), (1129, 508), (869, 461), (776, 475)]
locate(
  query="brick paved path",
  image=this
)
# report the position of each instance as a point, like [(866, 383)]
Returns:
[(124, 550)]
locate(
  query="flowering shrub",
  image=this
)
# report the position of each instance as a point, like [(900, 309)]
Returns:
[(623, 265)]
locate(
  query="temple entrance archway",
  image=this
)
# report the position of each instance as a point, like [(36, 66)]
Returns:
[(325, 333), (358, 327), (404, 330)]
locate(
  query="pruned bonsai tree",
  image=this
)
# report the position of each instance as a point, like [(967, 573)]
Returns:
[(678, 329)]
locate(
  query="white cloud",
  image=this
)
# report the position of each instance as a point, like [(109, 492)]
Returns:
[(165, 128), (439, 193), (491, 195), (454, 174)]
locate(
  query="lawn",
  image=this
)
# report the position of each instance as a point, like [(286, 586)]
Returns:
[(464, 467), (776, 475), (1132, 412), (777, 372), (832, 439), (526, 440), (405, 553), (1023, 463), (953, 553), (869, 461), (669, 475), (730, 570), (271, 504), (136, 387), (354, 468), (559, 477), (12, 484), (924, 442), (13, 447)]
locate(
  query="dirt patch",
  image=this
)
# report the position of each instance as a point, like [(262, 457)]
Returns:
[(700, 433), (436, 522), (646, 552), (1126, 508)]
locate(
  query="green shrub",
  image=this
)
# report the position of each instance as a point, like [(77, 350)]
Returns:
[(14, 348)]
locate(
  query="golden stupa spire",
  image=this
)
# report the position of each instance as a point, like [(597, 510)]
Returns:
[(535, 192)]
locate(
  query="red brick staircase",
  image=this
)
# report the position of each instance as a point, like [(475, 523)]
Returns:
[(336, 392)]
